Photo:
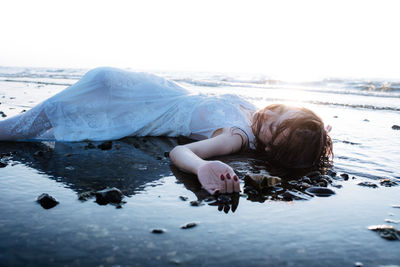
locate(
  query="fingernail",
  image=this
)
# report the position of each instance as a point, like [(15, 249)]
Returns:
[(235, 178), (228, 176), (222, 177)]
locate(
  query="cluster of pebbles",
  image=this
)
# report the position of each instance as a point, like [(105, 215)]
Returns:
[(261, 186)]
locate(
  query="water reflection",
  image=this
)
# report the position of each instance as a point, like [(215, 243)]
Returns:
[(131, 165)]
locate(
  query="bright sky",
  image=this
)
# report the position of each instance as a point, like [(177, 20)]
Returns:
[(292, 39)]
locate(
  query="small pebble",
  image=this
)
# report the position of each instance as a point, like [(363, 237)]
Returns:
[(345, 176), (195, 203), (158, 231), (107, 145), (367, 184), (47, 201), (386, 231), (188, 225), (183, 198), (396, 127), (39, 153), (109, 195), (396, 206), (392, 221)]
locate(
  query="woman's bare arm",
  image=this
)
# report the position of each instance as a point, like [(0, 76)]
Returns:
[(213, 175)]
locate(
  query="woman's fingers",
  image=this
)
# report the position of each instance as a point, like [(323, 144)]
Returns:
[(236, 183), (229, 183)]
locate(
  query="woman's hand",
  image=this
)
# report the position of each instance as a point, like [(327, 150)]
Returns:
[(218, 177)]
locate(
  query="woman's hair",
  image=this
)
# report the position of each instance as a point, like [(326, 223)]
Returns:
[(303, 142)]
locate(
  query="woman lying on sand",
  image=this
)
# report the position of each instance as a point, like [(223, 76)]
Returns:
[(108, 104)]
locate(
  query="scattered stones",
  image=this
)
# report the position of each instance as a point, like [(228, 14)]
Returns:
[(47, 201), (189, 225), (386, 231), (367, 184), (109, 195), (396, 127), (3, 114), (388, 182), (158, 231), (345, 176), (183, 198), (107, 145), (320, 191)]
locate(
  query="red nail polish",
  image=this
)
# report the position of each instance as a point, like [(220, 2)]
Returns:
[(235, 178), (228, 176), (222, 177)]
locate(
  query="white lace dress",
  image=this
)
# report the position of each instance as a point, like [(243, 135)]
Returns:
[(108, 104)]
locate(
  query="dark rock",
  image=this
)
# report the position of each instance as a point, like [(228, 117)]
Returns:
[(368, 184), (159, 158), (320, 191), (388, 182), (291, 195), (107, 145), (86, 195), (183, 198), (396, 127), (196, 203), (367, 120), (68, 155), (39, 153), (386, 231), (335, 117), (306, 180), (3, 164), (109, 195), (90, 146), (345, 176), (313, 174), (158, 231), (166, 154), (188, 225), (47, 201), (331, 173)]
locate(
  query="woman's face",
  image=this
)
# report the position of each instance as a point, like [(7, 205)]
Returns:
[(273, 118)]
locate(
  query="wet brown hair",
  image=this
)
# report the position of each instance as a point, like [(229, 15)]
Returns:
[(305, 144)]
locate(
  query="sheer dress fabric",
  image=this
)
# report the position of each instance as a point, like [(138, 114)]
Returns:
[(109, 103)]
